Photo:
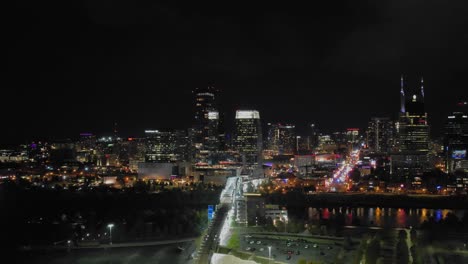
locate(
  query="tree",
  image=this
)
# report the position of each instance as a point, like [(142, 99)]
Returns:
[(269, 224), (373, 251), (402, 252), (402, 235), (280, 226), (360, 251), (347, 243), (413, 235)]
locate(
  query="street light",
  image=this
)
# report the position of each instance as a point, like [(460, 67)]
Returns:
[(269, 254), (110, 226)]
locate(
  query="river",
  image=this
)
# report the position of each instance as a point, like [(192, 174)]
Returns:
[(382, 217)]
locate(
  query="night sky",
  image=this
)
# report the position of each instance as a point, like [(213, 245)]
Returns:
[(75, 67)]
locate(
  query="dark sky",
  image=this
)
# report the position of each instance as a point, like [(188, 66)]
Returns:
[(74, 67)]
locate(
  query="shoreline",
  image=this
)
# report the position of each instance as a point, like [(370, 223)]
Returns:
[(370, 200)]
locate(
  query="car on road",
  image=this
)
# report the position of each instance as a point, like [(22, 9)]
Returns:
[(248, 248), (306, 246), (261, 249), (330, 247), (252, 242), (321, 253), (259, 242), (315, 246)]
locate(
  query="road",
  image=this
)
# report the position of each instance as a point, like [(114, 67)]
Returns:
[(114, 245), (211, 240)]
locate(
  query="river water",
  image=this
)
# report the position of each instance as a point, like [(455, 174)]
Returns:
[(382, 217)]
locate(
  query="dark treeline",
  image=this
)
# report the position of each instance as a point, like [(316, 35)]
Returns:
[(37, 215)]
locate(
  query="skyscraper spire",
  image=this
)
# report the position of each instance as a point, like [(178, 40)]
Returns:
[(402, 95), (402, 91), (422, 87), (115, 130)]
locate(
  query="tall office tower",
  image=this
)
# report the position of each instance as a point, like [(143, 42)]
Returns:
[(456, 138), (314, 136), (164, 146), (211, 140), (380, 135), (413, 128), (272, 138), (287, 139), (221, 132), (208, 122), (281, 138), (248, 137), (412, 131), (181, 145)]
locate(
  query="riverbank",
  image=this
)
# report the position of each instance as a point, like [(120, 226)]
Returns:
[(296, 199)]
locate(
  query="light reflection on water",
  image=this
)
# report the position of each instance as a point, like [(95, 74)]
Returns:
[(382, 217)]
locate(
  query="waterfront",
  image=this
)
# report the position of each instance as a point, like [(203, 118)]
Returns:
[(382, 217)]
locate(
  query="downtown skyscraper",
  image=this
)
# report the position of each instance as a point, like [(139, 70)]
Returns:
[(456, 139), (248, 136), (207, 133), (379, 135), (412, 131)]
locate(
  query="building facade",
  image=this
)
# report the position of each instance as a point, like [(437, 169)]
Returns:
[(379, 135), (248, 136)]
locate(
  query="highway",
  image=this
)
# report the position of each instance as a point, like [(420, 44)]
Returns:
[(217, 230), (211, 239)]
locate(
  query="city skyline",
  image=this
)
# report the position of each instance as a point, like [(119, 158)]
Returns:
[(115, 129), (117, 62)]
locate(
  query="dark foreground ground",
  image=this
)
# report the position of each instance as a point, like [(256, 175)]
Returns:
[(140, 255)]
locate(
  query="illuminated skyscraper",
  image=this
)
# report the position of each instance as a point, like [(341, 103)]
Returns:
[(380, 135), (248, 136), (164, 146), (413, 127), (281, 138), (208, 133), (456, 139), (412, 133)]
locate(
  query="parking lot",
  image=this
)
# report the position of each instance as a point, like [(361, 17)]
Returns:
[(291, 250)]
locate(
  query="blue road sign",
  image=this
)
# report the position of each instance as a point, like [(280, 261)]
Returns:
[(210, 212)]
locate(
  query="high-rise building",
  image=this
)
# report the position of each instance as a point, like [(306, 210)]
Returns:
[(281, 139), (248, 137), (287, 139), (352, 135), (412, 132), (164, 146), (208, 132), (380, 135), (413, 126), (212, 141), (314, 135), (272, 138), (456, 138)]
